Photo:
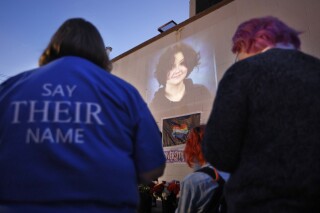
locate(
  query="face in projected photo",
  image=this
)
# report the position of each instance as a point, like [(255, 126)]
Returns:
[(176, 75), (172, 71)]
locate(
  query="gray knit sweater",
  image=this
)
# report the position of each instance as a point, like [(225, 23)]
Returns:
[(265, 130)]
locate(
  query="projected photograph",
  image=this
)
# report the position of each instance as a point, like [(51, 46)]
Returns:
[(183, 74)]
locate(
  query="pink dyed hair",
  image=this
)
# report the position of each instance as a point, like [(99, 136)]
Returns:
[(256, 34)]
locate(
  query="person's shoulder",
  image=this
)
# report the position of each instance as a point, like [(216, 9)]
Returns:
[(104, 81), (16, 79), (198, 87), (200, 91), (159, 98), (89, 71), (159, 92), (121, 82), (191, 85), (244, 70), (197, 177), (279, 54), (199, 181), (188, 82), (277, 57), (307, 57)]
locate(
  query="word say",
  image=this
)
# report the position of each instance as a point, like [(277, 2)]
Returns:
[(61, 90)]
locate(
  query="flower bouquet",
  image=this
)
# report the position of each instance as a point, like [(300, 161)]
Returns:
[(167, 192)]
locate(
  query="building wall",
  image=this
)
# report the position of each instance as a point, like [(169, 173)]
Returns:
[(211, 36)]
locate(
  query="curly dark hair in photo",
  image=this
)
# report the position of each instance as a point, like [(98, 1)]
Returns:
[(77, 37), (166, 61)]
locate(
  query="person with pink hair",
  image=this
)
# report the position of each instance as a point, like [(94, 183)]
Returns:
[(260, 34), (264, 125)]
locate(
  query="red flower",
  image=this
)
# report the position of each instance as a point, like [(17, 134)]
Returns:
[(164, 189), (174, 187), (158, 189)]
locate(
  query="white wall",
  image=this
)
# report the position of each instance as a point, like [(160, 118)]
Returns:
[(212, 34)]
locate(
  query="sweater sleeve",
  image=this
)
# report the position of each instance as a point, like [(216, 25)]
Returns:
[(227, 123)]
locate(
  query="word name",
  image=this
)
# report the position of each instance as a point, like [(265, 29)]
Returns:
[(55, 136)]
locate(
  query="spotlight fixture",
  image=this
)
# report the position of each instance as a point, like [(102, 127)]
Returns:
[(108, 50), (167, 26)]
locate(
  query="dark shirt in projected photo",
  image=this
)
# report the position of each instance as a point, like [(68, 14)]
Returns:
[(175, 88)]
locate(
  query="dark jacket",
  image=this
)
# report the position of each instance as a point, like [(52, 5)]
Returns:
[(265, 130)]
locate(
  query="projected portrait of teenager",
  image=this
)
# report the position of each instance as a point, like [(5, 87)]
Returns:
[(172, 72)]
